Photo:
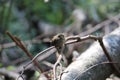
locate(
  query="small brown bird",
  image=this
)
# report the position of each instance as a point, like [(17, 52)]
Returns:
[(58, 41)]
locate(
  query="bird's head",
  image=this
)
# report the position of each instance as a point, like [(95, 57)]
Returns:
[(61, 36)]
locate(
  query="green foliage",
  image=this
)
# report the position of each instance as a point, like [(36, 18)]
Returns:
[(53, 11), (1, 64), (37, 74), (10, 68)]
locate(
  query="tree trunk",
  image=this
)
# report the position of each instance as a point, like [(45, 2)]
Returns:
[(81, 68)]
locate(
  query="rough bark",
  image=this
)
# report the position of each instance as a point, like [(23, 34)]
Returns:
[(80, 69)]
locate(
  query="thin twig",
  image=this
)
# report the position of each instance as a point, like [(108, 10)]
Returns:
[(72, 40), (98, 26), (48, 64), (62, 74), (20, 44), (55, 66), (107, 54), (12, 44), (44, 51), (21, 74)]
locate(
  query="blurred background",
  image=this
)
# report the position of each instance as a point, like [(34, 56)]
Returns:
[(35, 22)]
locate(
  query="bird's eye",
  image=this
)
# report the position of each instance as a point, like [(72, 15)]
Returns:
[(61, 36)]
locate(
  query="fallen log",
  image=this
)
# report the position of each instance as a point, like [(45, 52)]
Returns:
[(82, 68)]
